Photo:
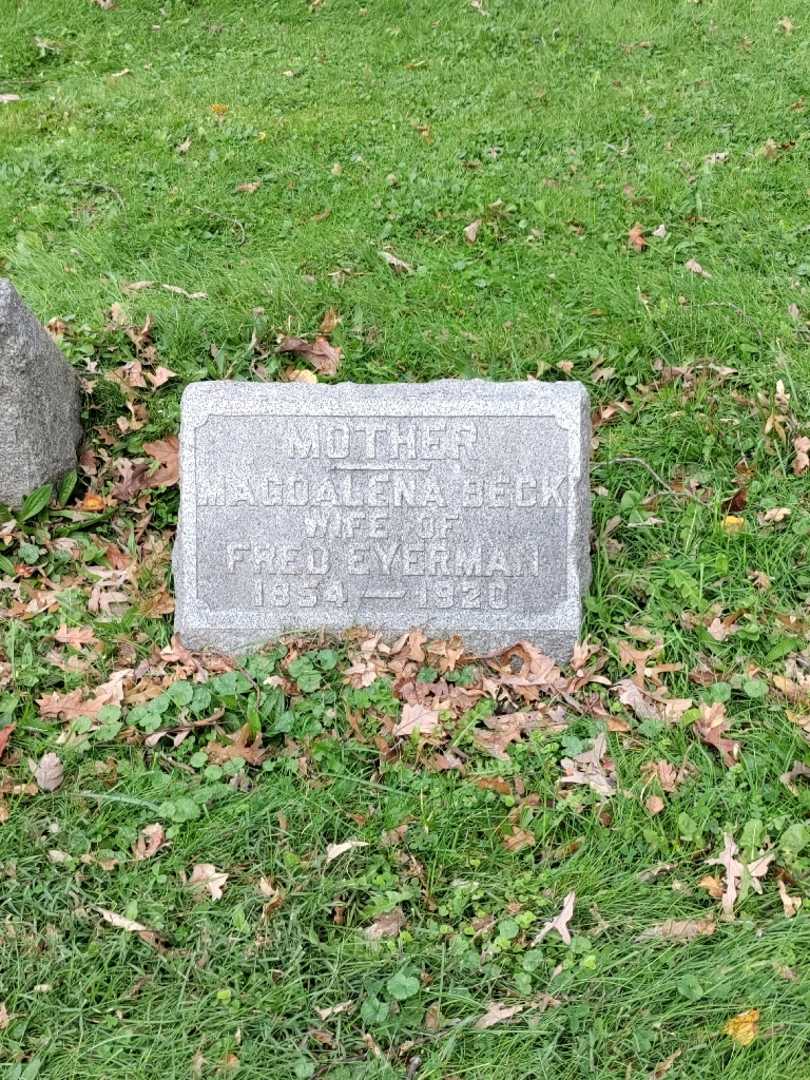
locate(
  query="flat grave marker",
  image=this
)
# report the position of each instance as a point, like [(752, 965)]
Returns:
[(461, 507)]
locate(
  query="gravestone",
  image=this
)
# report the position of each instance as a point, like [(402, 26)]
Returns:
[(461, 507), (40, 402)]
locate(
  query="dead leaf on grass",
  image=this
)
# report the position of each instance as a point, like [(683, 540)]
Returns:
[(635, 238), (165, 451), (797, 770), (694, 267), (5, 734), (243, 745), (518, 839), (743, 1027), (790, 904), (249, 188), (678, 930), (560, 922), (399, 266), (416, 718), (471, 231), (49, 772), (150, 840), (335, 1010), (710, 729), (496, 1013), (325, 358), (733, 869), (206, 878), (334, 851), (386, 926)]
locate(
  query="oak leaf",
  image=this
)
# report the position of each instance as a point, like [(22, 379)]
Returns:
[(560, 922), (206, 878), (417, 718), (150, 840), (325, 358), (166, 452), (711, 728), (240, 746), (801, 463)]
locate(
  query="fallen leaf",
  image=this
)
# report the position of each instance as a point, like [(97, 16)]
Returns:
[(801, 463), (5, 1019), (774, 516), (713, 886), (694, 267), (560, 922), (334, 851), (386, 926), (5, 734), (742, 1028), (120, 922), (7, 99), (518, 839), (655, 804), (416, 718), (243, 745), (471, 231), (75, 635), (591, 768), (160, 376), (179, 291), (733, 869), (166, 451), (790, 904), (718, 158), (184, 146), (324, 357), (635, 238), (495, 1014), (733, 525), (797, 770), (335, 1010), (663, 1067), (303, 375), (49, 772), (396, 264), (677, 930), (150, 840), (329, 321), (206, 878), (249, 188), (660, 233), (711, 728), (274, 897), (786, 25), (219, 109)]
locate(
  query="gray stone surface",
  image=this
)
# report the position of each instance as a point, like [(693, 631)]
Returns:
[(40, 403), (458, 506)]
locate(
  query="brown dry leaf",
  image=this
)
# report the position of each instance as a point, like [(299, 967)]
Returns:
[(386, 926), (416, 718), (591, 768), (797, 770), (713, 886), (335, 1010), (206, 878), (742, 1028), (92, 503), (75, 635), (243, 745), (734, 870), (496, 1013), (249, 188), (160, 376), (7, 99), (218, 109), (733, 524), (655, 804), (134, 286), (5, 734), (719, 629), (178, 290), (694, 267), (677, 930), (396, 264), (184, 146), (663, 1067), (801, 463), (303, 375), (711, 728), (120, 922), (325, 358), (790, 904), (329, 321), (560, 922), (518, 839), (471, 231), (274, 897), (775, 516), (635, 238), (49, 772), (630, 695), (334, 851), (5, 1019), (165, 451), (151, 839), (70, 706)]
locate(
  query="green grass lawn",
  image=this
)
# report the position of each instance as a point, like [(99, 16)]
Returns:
[(264, 154)]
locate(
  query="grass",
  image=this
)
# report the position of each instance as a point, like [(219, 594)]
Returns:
[(392, 127)]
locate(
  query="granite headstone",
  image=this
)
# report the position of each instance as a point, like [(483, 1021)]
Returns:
[(457, 506), (40, 401)]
